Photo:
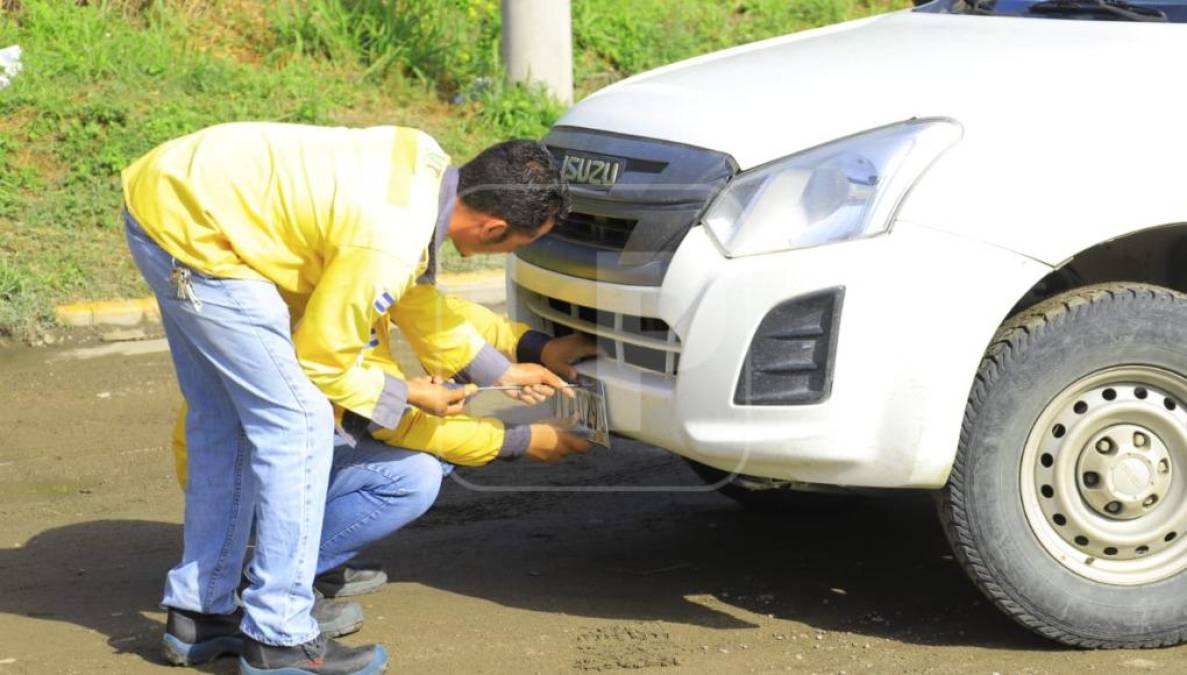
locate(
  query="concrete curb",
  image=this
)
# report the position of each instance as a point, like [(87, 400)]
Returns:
[(110, 313), (485, 286)]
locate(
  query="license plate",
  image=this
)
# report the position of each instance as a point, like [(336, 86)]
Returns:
[(588, 410)]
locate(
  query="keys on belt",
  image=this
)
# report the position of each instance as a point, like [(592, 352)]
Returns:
[(182, 280)]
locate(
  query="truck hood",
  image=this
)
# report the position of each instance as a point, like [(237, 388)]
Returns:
[(769, 99)]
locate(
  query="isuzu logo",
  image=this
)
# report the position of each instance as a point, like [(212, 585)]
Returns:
[(590, 171)]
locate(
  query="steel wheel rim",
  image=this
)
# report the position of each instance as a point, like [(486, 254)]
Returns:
[(1100, 476)]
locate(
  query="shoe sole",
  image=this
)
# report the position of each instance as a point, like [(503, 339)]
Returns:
[(378, 665), (180, 653), (353, 588)]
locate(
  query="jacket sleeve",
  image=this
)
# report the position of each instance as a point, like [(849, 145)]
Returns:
[(457, 439), (454, 337), (512, 339), (358, 288), (498, 330)]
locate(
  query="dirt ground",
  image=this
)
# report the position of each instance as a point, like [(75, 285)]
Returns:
[(598, 573)]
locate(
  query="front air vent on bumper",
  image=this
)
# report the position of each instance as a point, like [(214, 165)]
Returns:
[(790, 360), (640, 341)]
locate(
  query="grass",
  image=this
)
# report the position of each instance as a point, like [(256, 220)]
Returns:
[(105, 81)]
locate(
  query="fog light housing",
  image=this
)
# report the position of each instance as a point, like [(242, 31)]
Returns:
[(790, 359)]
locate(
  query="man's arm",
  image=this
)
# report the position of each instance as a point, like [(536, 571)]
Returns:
[(357, 289), (472, 441), (458, 439), (444, 331), (457, 338), (469, 441), (522, 344)]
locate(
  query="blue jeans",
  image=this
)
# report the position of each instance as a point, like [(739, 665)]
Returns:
[(260, 439), (375, 489)]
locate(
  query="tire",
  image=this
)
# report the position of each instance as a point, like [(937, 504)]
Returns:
[(1067, 503), (773, 498)]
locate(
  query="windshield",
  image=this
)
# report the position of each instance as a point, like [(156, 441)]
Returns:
[(1175, 10)]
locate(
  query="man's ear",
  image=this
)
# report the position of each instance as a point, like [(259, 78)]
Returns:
[(493, 230)]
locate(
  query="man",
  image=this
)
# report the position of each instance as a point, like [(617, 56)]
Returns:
[(277, 253)]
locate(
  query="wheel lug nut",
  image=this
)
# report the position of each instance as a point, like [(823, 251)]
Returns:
[(1150, 501), (1164, 466), (1140, 439), (1113, 507), (1091, 479), (1104, 446)]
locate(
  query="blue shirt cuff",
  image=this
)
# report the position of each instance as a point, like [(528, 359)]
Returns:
[(516, 440), (531, 347), (485, 369)]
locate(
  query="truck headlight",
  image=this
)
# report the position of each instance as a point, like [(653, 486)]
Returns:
[(846, 189)]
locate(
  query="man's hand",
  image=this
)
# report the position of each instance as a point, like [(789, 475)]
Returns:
[(552, 440), (537, 381), (561, 353), (432, 396)]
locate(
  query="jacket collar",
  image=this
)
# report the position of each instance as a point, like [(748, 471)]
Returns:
[(446, 200), (445, 204)]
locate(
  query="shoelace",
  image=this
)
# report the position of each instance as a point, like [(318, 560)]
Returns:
[(315, 650)]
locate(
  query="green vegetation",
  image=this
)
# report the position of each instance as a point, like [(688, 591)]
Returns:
[(105, 81)]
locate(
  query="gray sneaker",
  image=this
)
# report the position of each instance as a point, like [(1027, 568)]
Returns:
[(348, 580), (334, 618), (337, 617)]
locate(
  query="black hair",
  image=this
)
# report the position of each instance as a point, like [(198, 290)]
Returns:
[(518, 181)]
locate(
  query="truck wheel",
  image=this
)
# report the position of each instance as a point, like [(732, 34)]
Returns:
[(1067, 503), (761, 494)]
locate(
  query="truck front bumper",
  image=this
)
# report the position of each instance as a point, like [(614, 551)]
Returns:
[(919, 308)]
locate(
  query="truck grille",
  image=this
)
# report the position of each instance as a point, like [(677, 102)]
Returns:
[(626, 225), (601, 231), (640, 341)]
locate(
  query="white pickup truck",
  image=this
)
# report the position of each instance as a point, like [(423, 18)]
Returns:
[(940, 248)]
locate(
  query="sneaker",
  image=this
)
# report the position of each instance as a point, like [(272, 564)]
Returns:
[(348, 580), (193, 638), (336, 618), (320, 656)]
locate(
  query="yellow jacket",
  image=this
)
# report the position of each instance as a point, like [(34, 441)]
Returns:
[(339, 219)]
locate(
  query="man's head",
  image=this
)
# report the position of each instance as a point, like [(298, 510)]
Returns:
[(509, 195)]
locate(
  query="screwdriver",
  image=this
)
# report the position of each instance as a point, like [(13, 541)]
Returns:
[(507, 387), (517, 387)]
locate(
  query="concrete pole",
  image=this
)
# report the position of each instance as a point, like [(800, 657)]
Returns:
[(538, 44)]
